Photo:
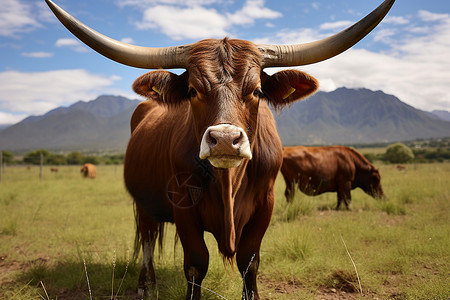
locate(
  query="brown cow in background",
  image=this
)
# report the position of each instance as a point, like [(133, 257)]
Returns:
[(340, 169), (204, 152), (89, 171)]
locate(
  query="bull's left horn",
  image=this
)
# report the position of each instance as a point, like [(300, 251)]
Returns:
[(309, 53), (135, 56)]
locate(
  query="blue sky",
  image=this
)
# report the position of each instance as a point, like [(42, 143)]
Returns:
[(42, 66)]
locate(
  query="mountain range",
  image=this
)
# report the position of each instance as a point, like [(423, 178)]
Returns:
[(102, 124), (356, 116), (344, 116)]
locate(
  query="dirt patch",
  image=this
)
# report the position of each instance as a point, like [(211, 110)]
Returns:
[(340, 285), (7, 267), (332, 294), (278, 287), (77, 294)]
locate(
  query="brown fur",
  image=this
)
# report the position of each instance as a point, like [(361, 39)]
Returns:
[(340, 169), (223, 84), (89, 171)]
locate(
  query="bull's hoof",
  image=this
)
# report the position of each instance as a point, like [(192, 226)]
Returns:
[(147, 292), (140, 293), (250, 296)]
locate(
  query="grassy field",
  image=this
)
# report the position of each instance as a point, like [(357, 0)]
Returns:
[(56, 233)]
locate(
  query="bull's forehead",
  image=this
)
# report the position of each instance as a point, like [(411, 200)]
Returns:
[(216, 63)]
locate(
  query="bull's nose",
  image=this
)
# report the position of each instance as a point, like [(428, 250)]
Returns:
[(225, 141)]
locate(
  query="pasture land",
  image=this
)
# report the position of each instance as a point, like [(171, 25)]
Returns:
[(56, 231)]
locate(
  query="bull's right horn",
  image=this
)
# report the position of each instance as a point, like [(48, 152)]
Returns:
[(309, 53), (134, 56)]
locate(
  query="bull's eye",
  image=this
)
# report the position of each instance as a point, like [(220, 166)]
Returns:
[(192, 92), (258, 92)]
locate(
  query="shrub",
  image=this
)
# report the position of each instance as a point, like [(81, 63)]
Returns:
[(7, 157), (75, 158), (398, 153), (34, 157)]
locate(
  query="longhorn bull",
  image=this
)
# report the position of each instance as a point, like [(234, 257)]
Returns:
[(204, 152)]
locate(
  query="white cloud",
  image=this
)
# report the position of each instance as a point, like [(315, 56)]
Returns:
[(383, 35), (16, 17), (38, 92), (335, 25), (400, 76), (395, 20), (8, 118), (127, 40), (67, 42), (147, 3), (38, 54), (431, 17), (43, 13), (179, 23), (73, 44), (413, 65), (419, 29), (252, 10), (195, 20), (285, 36)]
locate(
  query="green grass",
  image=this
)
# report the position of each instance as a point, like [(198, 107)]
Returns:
[(400, 247)]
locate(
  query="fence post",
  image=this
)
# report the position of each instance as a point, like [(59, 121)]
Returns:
[(1, 165), (41, 171)]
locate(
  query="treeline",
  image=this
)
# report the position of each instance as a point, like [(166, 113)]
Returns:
[(72, 158), (401, 153), (412, 152), (438, 155)]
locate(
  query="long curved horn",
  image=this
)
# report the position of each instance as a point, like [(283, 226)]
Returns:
[(309, 53), (135, 56)]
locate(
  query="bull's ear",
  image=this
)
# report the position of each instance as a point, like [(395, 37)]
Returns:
[(162, 86), (287, 86)]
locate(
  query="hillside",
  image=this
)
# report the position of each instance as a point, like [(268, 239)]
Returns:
[(100, 124), (344, 116), (348, 116)]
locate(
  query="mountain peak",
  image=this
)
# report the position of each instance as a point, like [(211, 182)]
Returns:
[(442, 114), (105, 106), (350, 116), (102, 123)]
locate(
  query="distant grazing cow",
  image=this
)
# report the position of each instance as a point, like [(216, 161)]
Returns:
[(54, 170), (204, 152), (340, 169), (401, 167), (89, 171)]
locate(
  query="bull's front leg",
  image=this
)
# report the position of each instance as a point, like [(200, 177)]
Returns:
[(196, 255), (344, 194), (190, 230), (247, 256), (148, 230), (248, 267), (196, 260), (289, 192)]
